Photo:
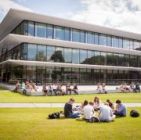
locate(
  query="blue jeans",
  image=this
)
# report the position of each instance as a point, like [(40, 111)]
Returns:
[(74, 115)]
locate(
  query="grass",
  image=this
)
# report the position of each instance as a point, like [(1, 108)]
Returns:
[(10, 97), (31, 124)]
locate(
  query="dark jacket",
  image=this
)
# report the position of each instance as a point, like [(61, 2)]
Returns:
[(67, 110)]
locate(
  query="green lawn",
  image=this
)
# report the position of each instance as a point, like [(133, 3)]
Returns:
[(31, 124), (10, 97)]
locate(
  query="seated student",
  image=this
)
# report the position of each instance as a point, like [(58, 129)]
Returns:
[(45, 90), (104, 88), (120, 109), (50, 89), (68, 112), (68, 89), (96, 103), (63, 89), (106, 113), (137, 87), (75, 89), (88, 111), (110, 104), (17, 86)]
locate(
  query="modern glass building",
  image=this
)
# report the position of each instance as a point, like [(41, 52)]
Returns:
[(49, 49)]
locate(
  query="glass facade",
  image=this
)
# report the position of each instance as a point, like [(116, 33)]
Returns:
[(35, 52), (41, 75), (60, 54), (75, 35)]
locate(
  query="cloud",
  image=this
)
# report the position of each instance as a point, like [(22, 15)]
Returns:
[(5, 5), (121, 14)]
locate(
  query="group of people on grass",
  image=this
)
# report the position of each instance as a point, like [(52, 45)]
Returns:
[(68, 89), (133, 87), (101, 88), (60, 89), (47, 89), (95, 111), (27, 86)]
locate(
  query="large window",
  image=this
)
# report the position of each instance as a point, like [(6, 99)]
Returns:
[(137, 45), (126, 44), (90, 59), (103, 58), (90, 38), (40, 30), (75, 56), (68, 55), (59, 33), (31, 30), (96, 38), (109, 41), (41, 53), (120, 43), (75, 35), (102, 40), (97, 58), (110, 58), (67, 34), (50, 31), (24, 51), (50, 52), (82, 36), (115, 42), (83, 56), (32, 52), (58, 55)]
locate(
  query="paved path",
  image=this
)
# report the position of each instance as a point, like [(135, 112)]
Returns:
[(49, 105)]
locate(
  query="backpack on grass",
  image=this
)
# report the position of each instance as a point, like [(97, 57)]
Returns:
[(134, 113), (55, 115)]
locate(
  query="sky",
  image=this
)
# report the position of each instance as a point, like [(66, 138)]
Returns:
[(120, 14)]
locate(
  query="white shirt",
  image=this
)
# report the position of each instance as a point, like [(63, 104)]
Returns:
[(105, 113), (88, 111)]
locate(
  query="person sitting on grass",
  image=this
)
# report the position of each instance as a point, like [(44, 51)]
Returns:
[(88, 111), (96, 103), (110, 104), (68, 112), (17, 86), (75, 89), (120, 109), (106, 113)]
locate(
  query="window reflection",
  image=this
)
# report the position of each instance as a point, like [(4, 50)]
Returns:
[(68, 55), (75, 35), (59, 33), (49, 31), (41, 53), (90, 38), (31, 28), (70, 34), (75, 56), (58, 55), (32, 52), (83, 56), (40, 30), (50, 52)]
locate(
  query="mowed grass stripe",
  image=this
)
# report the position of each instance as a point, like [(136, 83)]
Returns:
[(11, 97)]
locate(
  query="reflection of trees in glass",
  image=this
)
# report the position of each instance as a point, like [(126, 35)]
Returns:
[(57, 56), (41, 56)]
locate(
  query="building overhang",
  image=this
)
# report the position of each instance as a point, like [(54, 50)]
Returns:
[(13, 40), (14, 17), (66, 65)]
